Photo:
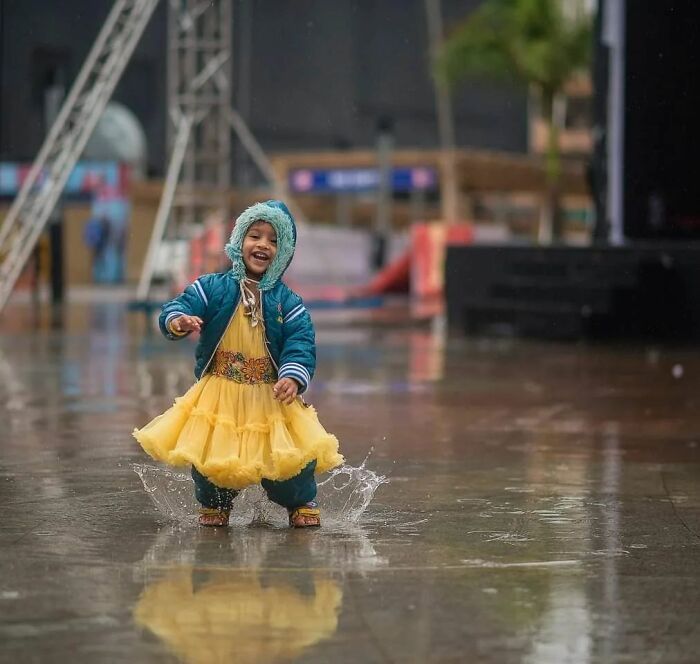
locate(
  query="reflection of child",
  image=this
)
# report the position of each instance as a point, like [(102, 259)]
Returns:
[(242, 422), (225, 616)]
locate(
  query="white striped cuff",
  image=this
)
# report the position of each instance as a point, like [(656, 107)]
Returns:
[(296, 371), (297, 311), (168, 318)]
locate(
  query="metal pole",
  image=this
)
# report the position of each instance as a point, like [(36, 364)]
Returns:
[(382, 228), (253, 148), (159, 226), (56, 244), (243, 101), (614, 37), (53, 98)]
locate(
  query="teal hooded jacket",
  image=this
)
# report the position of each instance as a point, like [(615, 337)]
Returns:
[(289, 332)]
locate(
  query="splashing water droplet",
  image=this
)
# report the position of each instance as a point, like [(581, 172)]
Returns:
[(347, 493), (176, 502), (344, 496)]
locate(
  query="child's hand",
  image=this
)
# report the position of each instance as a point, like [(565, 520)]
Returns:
[(183, 324), (285, 390)]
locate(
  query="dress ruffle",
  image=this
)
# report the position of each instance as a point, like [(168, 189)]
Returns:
[(269, 441), (237, 434)]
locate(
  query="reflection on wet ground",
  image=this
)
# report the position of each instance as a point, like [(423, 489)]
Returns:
[(543, 506)]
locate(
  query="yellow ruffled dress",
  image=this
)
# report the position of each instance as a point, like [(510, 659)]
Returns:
[(229, 425)]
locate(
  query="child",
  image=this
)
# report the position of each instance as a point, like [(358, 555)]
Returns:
[(242, 422)]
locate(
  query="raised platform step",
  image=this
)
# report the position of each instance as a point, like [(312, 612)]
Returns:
[(585, 296), (575, 292), (543, 319)]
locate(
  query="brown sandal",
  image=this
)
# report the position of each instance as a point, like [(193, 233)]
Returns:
[(213, 517), (306, 516)]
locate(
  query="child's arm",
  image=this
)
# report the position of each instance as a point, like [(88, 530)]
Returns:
[(191, 302), (298, 357)]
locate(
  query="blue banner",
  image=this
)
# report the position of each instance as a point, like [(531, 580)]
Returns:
[(357, 180), (87, 178)]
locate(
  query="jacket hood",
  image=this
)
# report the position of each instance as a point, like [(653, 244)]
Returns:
[(277, 214)]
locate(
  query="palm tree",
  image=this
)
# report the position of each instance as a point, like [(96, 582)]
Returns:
[(541, 43)]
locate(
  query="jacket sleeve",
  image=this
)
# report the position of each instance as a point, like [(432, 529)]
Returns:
[(298, 356), (192, 301)]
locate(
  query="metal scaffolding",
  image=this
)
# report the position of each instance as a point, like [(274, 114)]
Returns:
[(200, 122), (70, 132), (199, 98), (201, 119)]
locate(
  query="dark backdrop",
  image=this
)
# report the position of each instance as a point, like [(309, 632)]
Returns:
[(662, 119), (310, 74)]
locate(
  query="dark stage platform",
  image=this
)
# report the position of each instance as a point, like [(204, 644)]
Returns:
[(640, 291)]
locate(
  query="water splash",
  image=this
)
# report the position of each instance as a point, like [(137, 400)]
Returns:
[(172, 492), (344, 496)]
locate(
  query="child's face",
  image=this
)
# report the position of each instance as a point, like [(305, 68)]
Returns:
[(259, 248)]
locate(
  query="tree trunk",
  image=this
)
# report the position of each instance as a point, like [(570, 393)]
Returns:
[(551, 223)]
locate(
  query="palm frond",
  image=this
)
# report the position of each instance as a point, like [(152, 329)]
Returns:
[(530, 40)]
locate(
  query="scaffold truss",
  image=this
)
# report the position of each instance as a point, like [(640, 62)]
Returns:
[(66, 140)]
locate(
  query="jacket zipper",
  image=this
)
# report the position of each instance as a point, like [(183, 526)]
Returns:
[(300, 397), (267, 342)]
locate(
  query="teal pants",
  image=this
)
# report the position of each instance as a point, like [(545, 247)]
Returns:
[(291, 493)]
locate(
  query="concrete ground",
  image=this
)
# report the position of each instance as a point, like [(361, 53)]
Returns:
[(543, 505)]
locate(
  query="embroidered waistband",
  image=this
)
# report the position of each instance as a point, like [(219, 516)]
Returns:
[(237, 367)]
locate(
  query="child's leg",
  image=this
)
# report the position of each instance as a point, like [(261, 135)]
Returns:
[(294, 492), (215, 501), (297, 495)]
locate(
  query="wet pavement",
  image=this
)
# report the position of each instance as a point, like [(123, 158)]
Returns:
[(543, 506)]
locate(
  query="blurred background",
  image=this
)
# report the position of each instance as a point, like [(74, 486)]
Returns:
[(541, 145)]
